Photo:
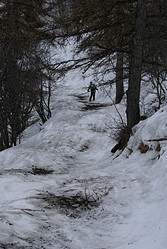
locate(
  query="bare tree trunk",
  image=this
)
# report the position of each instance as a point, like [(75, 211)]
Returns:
[(119, 78), (133, 93)]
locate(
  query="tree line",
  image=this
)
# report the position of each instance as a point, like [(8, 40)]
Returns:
[(125, 36), (25, 71)]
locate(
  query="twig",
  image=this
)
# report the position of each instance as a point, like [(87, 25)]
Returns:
[(155, 139), (27, 210)]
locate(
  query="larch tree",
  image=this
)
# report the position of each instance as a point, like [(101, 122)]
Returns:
[(133, 93)]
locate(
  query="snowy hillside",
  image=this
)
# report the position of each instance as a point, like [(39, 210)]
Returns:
[(61, 188)]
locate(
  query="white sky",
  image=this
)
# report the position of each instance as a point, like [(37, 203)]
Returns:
[(76, 144)]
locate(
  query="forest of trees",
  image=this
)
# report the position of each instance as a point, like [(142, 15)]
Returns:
[(128, 34), (25, 73), (128, 37)]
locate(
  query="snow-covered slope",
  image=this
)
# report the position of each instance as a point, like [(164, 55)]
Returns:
[(62, 187)]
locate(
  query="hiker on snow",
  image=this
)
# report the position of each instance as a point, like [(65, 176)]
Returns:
[(92, 88)]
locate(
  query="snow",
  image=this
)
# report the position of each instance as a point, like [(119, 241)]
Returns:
[(129, 190)]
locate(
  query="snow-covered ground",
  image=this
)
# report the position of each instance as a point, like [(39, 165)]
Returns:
[(61, 188)]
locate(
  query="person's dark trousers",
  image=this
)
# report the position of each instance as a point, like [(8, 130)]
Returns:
[(92, 95)]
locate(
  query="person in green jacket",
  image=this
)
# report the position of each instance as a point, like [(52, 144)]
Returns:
[(92, 89)]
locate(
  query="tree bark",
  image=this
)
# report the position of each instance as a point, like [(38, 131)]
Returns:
[(133, 93), (119, 78)]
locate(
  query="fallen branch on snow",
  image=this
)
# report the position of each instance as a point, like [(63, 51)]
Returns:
[(155, 139)]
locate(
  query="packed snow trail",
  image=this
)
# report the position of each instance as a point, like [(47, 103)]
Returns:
[(62, 189), (56, 147)]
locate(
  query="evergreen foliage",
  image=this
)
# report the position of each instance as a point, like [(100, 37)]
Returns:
[(25, 72)]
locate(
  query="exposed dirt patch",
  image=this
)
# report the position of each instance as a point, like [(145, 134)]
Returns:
[(41, 171), (89, 105), (81, 97), (34, 171), (94, 106)]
